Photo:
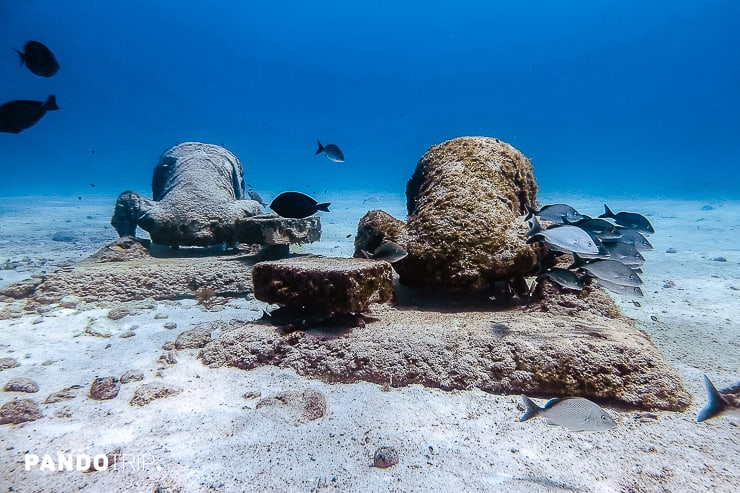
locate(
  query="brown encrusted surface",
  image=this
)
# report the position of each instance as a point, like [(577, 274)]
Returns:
[(375, 228), (337, 285), (465, 201), (19, 411), (574, 348)]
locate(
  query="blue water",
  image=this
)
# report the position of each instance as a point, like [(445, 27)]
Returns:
[(630, 98)]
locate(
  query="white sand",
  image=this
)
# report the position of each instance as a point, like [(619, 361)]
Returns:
[(210, 438)]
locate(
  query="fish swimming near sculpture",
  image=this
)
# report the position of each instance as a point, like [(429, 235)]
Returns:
[(297, 205), (556, 213), (601, 228), (39, 59), (565, 278), (566, 239), (573, 413), (612, 271), (633, 291), (634, 237), (331, 151), (390, 252), (719, 401), (625, 253), (631, 220), (16, 116)]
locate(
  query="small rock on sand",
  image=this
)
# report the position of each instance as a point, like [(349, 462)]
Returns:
[(62, 395), (104, 388), (193, 339), (21, 385), (385, 456), (132, 376), (310, 404), (64, 236), (151, 391), (6, 363), (119, 313), (19, 411)]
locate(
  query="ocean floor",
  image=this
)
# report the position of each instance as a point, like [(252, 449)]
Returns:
[(212, 435)]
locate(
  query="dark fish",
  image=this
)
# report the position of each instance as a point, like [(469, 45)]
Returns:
[(631, 220), (564, 278), (92, 185), (574, 413), (390, 252), (557, 213), (609, 270), (719, 401), (633, 237), (297, 205), (256, 197), (20, 115), (567, 239), (332, 152), (39, 59)]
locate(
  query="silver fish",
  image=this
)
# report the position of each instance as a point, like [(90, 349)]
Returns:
[(573, 413), (633, 237), (564, 278), (556, 213), (331, 151), (625, 253), (633, 291), (390, 252), (719, 401), (602, 229), (631, 220), (567, 239), (608, 270)]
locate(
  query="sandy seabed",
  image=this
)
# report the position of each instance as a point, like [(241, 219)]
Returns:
[(213, 437)]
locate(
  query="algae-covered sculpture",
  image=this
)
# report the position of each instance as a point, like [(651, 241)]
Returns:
[(464, 229), (198, 198)]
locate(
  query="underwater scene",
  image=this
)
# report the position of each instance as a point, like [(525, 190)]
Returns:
[(369, 246)]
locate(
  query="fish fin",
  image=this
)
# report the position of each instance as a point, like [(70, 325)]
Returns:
[(320, 149), (323, 206), (530, 212), (551, 402), (715, 403), (51, 103), (367, 254), (536, 227), (607, 212), (22, 55), (532, 409), (577, 262)]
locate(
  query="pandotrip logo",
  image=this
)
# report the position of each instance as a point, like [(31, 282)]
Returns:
[(90, 463)]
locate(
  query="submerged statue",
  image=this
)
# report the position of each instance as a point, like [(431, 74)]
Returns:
[(198, 198)]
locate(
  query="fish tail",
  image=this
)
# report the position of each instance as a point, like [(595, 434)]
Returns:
[(715, 403), (51, 103), (22, 55), (320, 149), (532, 409), (323, 206)]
